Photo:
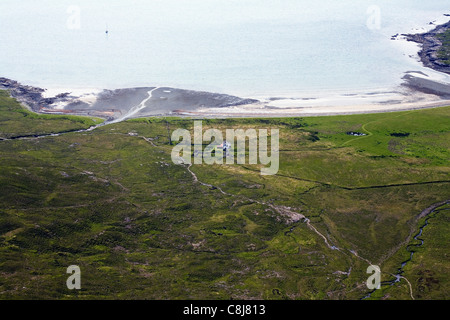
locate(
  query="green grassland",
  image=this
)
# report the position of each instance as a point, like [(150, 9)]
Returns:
[(18, 122), (140, 227), (444, 52)]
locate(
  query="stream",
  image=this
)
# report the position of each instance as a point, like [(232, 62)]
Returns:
[(129, 114), (410, 248), (295, 217), (45, 135)]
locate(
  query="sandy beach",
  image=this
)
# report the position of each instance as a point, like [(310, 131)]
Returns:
[(417, 91)]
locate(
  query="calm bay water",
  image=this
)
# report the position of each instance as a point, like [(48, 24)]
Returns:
[(244, 47)]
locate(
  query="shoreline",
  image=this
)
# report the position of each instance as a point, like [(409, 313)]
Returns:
[(416, 90), (430, 45)]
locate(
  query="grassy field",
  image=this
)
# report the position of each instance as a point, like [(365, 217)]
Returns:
[(112, 202), (444, 51), (17, 121)]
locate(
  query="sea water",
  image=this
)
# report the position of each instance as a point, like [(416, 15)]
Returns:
[(242, 47)]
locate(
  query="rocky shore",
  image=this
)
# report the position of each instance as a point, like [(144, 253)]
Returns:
[(30, 96), (431, 44)]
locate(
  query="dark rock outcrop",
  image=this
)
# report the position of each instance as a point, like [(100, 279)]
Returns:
[(31, 96), (431, 44)]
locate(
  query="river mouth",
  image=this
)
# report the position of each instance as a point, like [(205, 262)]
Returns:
[(416, 92)]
